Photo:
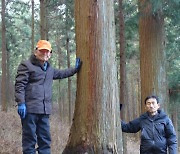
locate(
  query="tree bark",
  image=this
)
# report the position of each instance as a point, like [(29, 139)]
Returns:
[(96, 125), (152, 54)]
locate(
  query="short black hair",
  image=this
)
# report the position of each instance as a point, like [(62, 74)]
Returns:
[(152, 96)]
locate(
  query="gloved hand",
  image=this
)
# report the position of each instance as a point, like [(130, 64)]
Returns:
[(78, 64), (22, 110)]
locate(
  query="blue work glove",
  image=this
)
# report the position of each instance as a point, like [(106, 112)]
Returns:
[(78, 64), (22, 110)]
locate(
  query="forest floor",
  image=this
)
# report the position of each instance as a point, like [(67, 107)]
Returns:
[(10, 135)]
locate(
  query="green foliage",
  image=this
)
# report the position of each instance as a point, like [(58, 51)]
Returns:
[(130, 8), (171, 13), (172, 29), (174, 75), (156, 5), (61, 24), (131, 24), (18, 33), (61, 17)]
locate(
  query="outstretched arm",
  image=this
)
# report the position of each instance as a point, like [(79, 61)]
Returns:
[(131, 127), (60, 74)]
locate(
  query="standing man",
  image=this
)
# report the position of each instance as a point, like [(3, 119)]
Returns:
[(33, 93), (157, 130)]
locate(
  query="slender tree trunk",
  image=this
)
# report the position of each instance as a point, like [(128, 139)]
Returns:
[(4, 104), (152, 54), (47, 19), (69, 81), (175, 118), (43, 20), (175, 121), (68, 63), (96, 126), (60, 102), (9, 93), (174, 107), (123, 85), (139, 96), (32, 35)]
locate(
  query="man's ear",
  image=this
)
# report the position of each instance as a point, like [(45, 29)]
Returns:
[(159, 105), (34, 52)]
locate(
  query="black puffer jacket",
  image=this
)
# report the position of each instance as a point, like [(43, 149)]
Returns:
[(34, 85), (157, 133)]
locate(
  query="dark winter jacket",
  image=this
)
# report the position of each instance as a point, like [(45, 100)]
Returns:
[(34, 85), (157, 133)]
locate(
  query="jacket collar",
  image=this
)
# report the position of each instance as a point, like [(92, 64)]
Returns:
[(36, 62), (159, 115)]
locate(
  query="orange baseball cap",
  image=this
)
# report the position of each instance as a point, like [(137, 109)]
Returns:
[(43, 44)]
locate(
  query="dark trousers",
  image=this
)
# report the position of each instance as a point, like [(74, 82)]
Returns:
[(36, 129)]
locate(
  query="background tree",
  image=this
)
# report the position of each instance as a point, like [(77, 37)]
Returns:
[(61, 15), (4, 82), (32, 26), (43, 19), (172, 19), (152, 53), (123, 81), (122, 42), (96, 125), (18, 46), (68, 62)]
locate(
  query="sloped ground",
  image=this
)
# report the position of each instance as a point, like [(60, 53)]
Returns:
[(10, 135), (132, 145)]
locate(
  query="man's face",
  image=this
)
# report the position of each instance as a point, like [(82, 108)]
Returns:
[(152, 106), (43, 55)]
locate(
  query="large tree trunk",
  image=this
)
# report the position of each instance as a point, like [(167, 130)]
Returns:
[(4, 85), (152, 54), (96, 125)]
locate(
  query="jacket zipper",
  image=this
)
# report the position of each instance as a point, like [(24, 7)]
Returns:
[(153, 131), (44, 94)]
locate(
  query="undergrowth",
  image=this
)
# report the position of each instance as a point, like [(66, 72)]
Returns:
[(10, 133)]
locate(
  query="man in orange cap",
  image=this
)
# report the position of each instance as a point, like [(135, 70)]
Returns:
[(33, 94)]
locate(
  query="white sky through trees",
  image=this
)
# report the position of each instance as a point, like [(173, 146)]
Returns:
[(35, 1)]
